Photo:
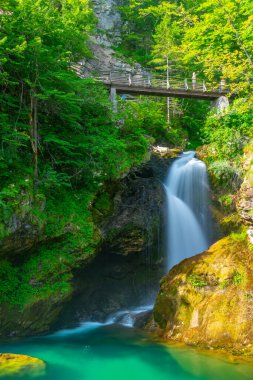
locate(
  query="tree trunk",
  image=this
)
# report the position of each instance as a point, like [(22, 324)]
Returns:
[(34, 133)]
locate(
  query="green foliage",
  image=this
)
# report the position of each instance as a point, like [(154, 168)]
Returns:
[(210, 37), (222, 174), (69, 215), (44, 274), (241, 235), (40, 42), (226, 200), (145, 116), (71, 236), (137, 31), (9, 282), (238, 278), (223, 284), (228, 134), (196, 280), (230, 223), (43, 102)]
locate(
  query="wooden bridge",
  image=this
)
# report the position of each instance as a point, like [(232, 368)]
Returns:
[(156, 85)]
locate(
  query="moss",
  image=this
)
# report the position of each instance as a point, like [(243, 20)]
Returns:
[(212, 304), (103, 203), (196, 280), (224, 284), (238, 278), (3, 231), (227, 201), (72, 239), (241, 235), (20, 365), (231, 223), (9, 282)]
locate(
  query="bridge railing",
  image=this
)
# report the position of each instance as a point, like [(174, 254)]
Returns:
[(151, 80)]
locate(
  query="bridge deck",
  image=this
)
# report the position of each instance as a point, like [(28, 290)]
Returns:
[(164, 92), (156, 85)]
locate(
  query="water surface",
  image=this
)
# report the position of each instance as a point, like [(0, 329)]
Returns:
[(113, 352)]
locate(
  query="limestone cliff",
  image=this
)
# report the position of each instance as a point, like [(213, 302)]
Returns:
[(106, 36)]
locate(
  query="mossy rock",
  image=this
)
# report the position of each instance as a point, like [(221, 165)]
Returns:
[(166, 152), (206, 300), (20, 366)]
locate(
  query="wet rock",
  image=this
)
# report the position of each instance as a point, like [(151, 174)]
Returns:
[(131, 262), (166, 152), (20, 365), (142, 319), (33, 319)]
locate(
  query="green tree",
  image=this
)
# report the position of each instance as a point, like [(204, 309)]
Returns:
[(40, 42)]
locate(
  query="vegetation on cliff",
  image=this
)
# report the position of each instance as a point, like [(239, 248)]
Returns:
[(211, 38), (59, 145)]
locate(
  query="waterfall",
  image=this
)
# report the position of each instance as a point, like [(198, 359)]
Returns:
[(189, 229)]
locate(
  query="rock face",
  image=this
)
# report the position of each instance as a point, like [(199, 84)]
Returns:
[(131, 262), (107, 35), (109, 20), (245, 195), (22, 230), (207, 300), (138, 209), (20, 365), (34, 319)]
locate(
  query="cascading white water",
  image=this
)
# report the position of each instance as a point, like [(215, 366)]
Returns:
[(189, 219), (188, 233), (122, 317)]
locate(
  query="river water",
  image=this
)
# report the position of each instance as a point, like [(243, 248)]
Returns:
[(115, 350)]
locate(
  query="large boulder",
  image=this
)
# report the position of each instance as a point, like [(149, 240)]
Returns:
[(207, 300)]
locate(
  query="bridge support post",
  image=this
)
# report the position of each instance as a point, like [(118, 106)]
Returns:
[(114, 99), (168, 111), (221, 104)]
